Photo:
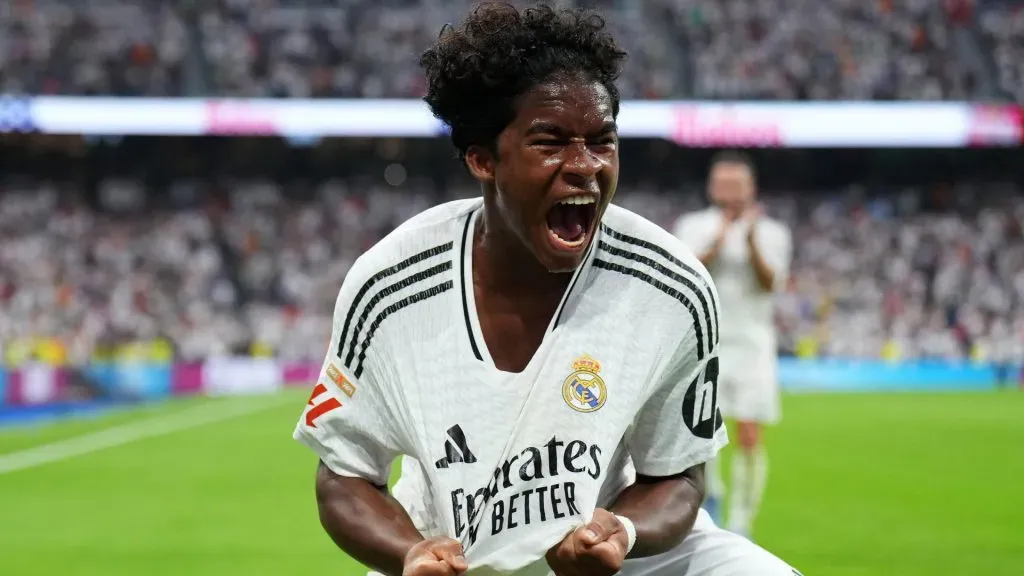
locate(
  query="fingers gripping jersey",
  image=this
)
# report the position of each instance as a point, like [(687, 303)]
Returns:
[(509, 463)]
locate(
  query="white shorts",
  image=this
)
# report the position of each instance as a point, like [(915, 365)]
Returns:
[(748, 384), (710, 551)]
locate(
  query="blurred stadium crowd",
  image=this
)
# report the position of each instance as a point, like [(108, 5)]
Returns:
[(765, 49), (252, 266)]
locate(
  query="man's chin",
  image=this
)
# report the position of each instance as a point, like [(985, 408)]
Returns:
[(561, 262)]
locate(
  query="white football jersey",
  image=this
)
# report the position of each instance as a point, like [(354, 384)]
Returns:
[(509, 463), (747, 310)]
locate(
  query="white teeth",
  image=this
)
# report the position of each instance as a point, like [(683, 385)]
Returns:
[(578, 200)]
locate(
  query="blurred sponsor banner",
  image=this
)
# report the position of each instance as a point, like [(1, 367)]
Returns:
[(34, 384), (135, 380), (187, 378), (227, 376), (799, 375), (41, 384), (688, 123)]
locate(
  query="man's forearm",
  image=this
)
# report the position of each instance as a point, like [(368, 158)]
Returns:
[(765, 274), (365, 521), (663, 510), (708, 257)]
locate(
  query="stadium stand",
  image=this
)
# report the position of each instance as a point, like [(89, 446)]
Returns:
[(92, 47), (1002, 28), (763, 49), (926, 267)]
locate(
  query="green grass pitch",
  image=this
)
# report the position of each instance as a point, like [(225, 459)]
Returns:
[(872, 484)]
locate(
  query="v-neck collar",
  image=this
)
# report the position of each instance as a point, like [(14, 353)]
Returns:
[(469, 310)]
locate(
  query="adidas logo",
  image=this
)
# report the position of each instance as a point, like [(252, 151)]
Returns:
[(455, 449)]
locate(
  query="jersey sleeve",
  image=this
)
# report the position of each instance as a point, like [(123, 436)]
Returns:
[(679, 425), (688, 230), (347, 421)]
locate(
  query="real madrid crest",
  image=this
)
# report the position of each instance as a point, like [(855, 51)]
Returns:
[(584, 390)]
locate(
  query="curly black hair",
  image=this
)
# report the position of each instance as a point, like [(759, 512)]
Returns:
[(476, 70)]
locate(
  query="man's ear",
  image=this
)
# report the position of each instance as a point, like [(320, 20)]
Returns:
[(480, 160)]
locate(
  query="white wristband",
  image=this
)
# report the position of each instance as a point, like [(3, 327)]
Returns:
[(630, 531)]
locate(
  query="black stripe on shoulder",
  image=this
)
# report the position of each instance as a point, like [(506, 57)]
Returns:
[(640, 243), (407, 301), (467, 288), (633, 256), (430, 253), (639, 275), (387, 291)]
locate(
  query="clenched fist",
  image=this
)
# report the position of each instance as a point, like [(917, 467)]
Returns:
[(435, 557), (597, 549)]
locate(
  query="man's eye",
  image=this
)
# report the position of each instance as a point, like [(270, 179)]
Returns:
[(550, 142)]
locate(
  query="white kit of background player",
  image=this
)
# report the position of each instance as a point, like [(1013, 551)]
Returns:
[(508, 464), (749, 385)]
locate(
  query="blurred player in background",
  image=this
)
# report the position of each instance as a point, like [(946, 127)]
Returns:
[(748, 255)]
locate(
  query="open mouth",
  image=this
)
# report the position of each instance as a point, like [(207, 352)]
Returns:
[(570, 220)]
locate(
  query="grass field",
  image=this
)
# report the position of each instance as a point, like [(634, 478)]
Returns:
[(907, 485)]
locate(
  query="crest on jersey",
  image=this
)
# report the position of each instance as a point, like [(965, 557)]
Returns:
[(584, 390)]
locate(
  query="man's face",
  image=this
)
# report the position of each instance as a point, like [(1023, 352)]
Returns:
[(557, 168), (731, 187)]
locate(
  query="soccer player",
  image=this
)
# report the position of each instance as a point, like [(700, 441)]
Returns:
[(748, 255), (545, 362)]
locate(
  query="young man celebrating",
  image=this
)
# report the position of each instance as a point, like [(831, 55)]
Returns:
[(546, 363), (748, 255)]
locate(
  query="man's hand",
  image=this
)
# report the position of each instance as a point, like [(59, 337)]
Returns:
[(752, 215), (435, 557), (597, 549), (723, 229)]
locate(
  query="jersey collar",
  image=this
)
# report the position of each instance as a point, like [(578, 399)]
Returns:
[(570, 300)]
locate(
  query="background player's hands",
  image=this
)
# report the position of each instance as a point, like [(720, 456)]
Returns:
[(723, 230), (597, 549), (752, 214), (435, 557)]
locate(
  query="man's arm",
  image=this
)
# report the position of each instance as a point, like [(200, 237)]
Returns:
[(708, 257), (764, 273), (685, 230), (663, 510), (769, 255), (365, 521), (678, 428), (356, 422)]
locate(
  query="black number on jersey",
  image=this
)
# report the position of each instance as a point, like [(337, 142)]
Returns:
[(700, 404)]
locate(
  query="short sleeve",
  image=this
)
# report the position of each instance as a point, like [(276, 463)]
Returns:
[(688, 230), (679, 425), (347, 421)]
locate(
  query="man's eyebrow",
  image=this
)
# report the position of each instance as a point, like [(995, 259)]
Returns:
[(552, 128), (544, 128)]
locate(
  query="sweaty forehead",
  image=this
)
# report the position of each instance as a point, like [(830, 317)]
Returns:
[(577, 102)]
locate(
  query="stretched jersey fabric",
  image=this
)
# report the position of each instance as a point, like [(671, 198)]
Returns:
[(624, 382)]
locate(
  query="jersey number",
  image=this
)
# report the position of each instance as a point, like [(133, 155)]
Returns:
[(318, 410), (700, 404)]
